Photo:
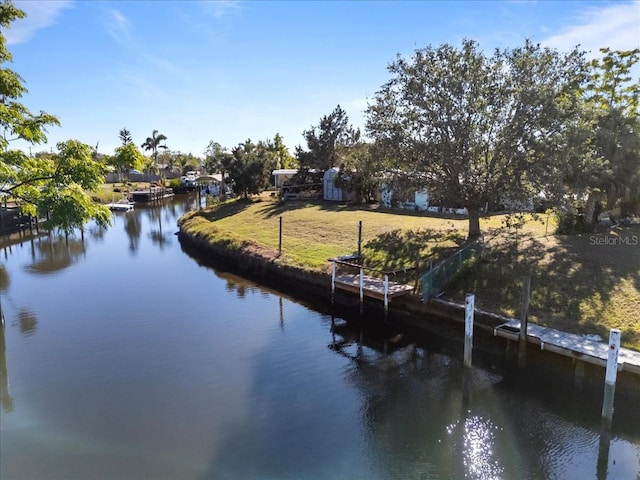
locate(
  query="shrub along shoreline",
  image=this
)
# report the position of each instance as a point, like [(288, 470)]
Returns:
[(583, 284)]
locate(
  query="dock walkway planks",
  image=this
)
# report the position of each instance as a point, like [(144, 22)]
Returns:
[(372, 287), (571, 345)]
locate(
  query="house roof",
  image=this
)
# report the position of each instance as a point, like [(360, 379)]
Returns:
[(285, 171)]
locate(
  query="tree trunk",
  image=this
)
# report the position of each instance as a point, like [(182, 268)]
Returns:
[(590, 208), (474, 222)]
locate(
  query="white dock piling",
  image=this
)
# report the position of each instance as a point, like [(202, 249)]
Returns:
[(386, 294), (333, 278), (469, 304), (610, 378)]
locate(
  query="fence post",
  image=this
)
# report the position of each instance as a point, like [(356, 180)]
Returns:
[(280, 238), (359, 239)]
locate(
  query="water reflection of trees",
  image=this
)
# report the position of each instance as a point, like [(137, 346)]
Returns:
[(5, 396), (27, 321), (53, 253), (157, 231), (133, 229)]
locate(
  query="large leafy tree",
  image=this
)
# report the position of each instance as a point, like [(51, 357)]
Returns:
[(56, 185), (327, 142), (363, 170), (612, 101), (250, 168), (127, 157), (473, 124)]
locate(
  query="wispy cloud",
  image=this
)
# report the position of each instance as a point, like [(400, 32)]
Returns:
[(613, 26), (221, 8), (119, 27), (38, 15)]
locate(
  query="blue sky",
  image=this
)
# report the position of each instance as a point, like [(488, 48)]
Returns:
[(231, 70)]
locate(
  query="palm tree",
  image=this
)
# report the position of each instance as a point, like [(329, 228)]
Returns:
[(153, 143)]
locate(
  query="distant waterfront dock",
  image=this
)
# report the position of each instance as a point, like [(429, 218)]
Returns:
[(151, 195)]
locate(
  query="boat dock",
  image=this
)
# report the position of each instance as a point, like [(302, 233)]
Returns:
[(120, 207), (570, 345), (371, 286), (152, 194), (378, 287)]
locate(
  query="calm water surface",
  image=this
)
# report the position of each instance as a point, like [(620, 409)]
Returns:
[(123, 358)]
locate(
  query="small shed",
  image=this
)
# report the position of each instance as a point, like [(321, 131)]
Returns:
[(330, 191)]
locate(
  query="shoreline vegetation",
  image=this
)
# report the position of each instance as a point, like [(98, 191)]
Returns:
[(584, 284)]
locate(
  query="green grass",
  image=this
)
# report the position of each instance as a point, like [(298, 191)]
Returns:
[(577, 285)]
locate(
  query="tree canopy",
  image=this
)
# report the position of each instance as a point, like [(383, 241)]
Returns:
[(614, 134), (471, 124), (250, 168), (57, 184), (327, 142)]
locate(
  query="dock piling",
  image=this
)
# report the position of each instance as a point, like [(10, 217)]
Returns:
[(333, 280), (469, 304), (610, 378)]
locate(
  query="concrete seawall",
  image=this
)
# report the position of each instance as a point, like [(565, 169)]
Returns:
[(437, 317)]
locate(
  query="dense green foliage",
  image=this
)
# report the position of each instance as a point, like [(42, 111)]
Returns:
[(54, 185), (250, 167), (127, 157), (329, 142), (474, 125)]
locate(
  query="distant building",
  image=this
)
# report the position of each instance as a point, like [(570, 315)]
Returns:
[(329, 190), (282, 175)]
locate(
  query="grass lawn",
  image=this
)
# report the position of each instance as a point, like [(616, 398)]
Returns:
[(579, 283)]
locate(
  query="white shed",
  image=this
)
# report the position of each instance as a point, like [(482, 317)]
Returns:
[(282, 175), (330, 191)]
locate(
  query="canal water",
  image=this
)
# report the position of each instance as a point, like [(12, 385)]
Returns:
[(122, 357)]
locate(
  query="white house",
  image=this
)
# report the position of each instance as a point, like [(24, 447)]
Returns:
[(418, 200)]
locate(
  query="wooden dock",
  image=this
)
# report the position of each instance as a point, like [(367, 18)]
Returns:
[(151, 195), (371, 286), (366, 285), (570, 345)]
